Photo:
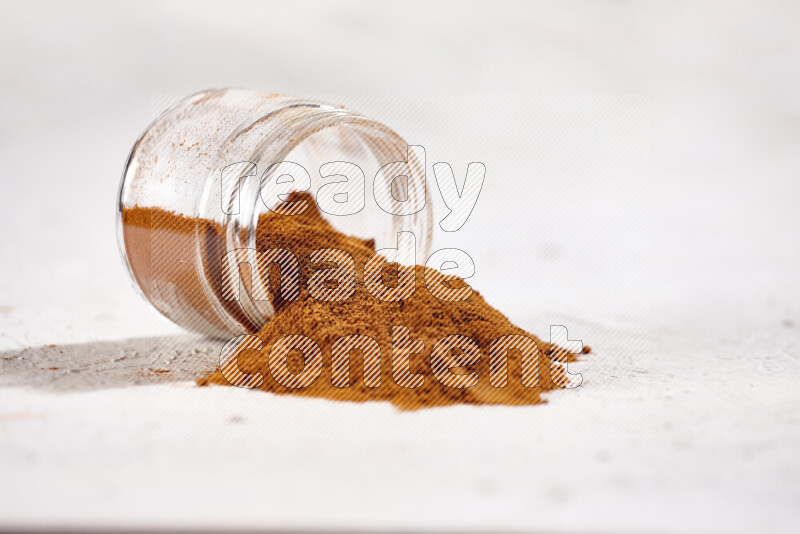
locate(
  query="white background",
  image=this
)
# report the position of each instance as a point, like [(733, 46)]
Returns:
[(642, 189)]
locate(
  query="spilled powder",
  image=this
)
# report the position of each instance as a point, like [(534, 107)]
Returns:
[(427, 318)]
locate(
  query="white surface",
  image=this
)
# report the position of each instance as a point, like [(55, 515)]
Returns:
[(662, 229)]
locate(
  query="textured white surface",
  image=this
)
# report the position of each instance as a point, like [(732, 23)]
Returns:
[(662, 229)]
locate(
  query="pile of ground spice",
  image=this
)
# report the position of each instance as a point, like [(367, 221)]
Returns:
[(427, 318)]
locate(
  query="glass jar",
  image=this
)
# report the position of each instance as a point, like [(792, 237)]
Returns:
[(179, 213)]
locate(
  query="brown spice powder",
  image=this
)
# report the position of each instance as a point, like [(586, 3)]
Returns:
[(428, 319)]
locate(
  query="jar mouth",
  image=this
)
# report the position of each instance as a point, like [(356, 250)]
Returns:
[(299, 125)]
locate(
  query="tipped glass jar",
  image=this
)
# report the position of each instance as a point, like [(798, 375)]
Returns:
[(198, 179)]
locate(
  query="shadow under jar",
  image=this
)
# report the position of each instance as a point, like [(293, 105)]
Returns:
[(178, 217)]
